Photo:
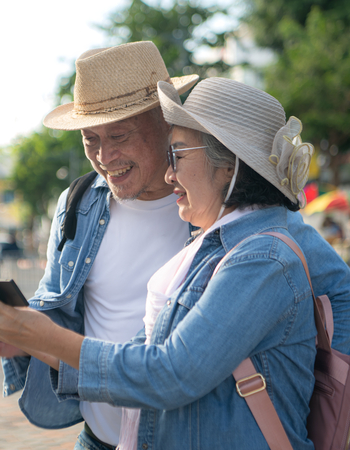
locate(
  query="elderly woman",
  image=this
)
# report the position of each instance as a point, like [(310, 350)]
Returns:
[(236, 167)]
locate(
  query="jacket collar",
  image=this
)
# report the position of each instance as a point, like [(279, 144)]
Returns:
[(258, 221)]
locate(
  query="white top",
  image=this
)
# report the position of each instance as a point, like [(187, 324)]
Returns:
[(143, 236)]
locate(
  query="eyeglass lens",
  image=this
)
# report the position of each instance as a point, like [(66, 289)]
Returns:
[(171, 158)]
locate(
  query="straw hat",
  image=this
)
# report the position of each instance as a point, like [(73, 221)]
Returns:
[(113, 84), (250, 123)]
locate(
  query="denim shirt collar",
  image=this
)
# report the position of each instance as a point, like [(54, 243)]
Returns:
[(99, 182)]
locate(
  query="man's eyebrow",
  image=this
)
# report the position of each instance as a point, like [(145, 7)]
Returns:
[(122, 132)]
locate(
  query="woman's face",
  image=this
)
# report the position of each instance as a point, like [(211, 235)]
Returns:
[(198, 187)]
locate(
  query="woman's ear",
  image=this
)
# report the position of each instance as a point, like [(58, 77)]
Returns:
[(228, 173)]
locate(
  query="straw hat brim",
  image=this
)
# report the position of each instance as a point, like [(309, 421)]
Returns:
[(176, 114), (65, 118)]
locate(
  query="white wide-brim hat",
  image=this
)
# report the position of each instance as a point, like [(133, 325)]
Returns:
[(250, 123), (113, 84)]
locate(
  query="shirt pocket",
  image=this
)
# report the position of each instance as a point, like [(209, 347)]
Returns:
[(67, 261)]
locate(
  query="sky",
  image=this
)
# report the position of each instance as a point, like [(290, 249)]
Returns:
[(39, 42)]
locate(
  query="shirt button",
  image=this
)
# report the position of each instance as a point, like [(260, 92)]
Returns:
[(145, 446), (88, 260), (68, 296), (42, 303), (71, 264), (102, 222), (168, 302), (12, 387)]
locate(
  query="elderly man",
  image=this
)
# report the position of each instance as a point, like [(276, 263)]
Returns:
[(98, 281), (97, 284)]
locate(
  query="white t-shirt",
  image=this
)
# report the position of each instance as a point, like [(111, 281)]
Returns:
[(141, 237)]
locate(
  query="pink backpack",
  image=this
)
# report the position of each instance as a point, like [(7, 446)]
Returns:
[(328, 423)]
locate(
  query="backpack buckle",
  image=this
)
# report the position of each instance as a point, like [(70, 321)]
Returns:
[(250, 385)]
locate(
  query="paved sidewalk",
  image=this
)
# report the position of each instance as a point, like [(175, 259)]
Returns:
[(16, 433)]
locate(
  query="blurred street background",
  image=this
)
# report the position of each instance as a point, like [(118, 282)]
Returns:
[(298, 51), (16, 433)]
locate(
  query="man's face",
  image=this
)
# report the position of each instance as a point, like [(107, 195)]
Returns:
[(131, 155)]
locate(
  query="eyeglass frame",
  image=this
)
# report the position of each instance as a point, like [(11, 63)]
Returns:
[(172, 158)]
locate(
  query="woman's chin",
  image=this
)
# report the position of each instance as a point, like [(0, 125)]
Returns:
[(185, 215)]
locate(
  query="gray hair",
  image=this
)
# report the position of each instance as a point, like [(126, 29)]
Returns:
[(218, 157), (217, 154)]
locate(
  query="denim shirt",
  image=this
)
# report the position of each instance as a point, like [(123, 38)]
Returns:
[(60, 295), (258, 305)]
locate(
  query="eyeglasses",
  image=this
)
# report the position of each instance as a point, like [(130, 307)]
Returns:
[(172, 157)]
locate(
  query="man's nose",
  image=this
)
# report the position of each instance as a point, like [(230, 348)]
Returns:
[(107, 152)]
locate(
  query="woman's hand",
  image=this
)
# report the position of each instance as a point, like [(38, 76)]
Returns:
[(9, 351), (36, 334), (18, 325)]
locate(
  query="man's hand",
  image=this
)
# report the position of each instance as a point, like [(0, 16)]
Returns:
[(9, 351)]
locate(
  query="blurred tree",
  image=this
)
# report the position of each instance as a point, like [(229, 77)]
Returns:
[(265, 17), (311, 78), (45, 163), (178, 31)]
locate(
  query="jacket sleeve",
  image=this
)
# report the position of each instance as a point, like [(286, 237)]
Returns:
[(65, 382), (210, 341), (329, 275)]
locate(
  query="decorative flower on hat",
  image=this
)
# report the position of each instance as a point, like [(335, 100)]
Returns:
[(291, 156)]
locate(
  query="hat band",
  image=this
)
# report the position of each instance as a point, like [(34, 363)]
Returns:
[(152, 96)]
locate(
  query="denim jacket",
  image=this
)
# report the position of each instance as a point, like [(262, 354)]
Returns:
[(258, 305), (60, 295)]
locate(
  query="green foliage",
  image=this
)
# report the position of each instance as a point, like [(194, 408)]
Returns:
[(37, 161), (176, 32), (265, 17), (312, 79)]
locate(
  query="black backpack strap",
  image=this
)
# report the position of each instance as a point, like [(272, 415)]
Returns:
[(76, 191)]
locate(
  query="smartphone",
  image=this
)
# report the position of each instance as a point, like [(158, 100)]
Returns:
[(11, 294)]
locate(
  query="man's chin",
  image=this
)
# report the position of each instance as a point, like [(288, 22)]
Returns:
[(120, 194)]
